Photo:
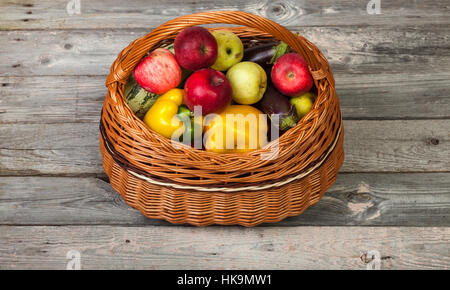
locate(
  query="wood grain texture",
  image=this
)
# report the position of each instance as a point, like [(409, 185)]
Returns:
[(63, 149), (370, 146), (51, 99), (352, 50), (105, 247), (35, 14), (413, 199)]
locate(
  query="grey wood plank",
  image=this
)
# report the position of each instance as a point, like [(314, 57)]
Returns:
[(81, 161), (397, 146), (34, 14), (370, 146), (385, 96), (106, 247), (49, 99), (356, 50), (363, 199), (63, 149)]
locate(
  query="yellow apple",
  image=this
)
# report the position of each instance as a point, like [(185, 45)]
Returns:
[(303, 103), (248, 81), (229, 50)]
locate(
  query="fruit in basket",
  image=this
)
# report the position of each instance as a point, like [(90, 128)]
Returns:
[(207, 88), (249, 81), (158, 72), (184, 72), (195, 48), (291, 76), (303, 103), (266, 54), (162, 118), (137, 98), (236, 129), (230, 49), (273, 102)]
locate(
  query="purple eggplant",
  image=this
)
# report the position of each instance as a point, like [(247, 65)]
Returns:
[(273, 102), (265, 54)]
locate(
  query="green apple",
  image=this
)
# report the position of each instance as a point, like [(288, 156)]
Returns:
[(303, 103), (229, 50), (248, 81)]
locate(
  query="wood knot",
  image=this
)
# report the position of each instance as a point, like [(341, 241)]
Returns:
[(432, 141), (281, 11), (44, 60), (278, 8)]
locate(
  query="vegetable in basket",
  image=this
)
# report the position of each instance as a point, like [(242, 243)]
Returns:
[(266, 54), (159, 117), (273, 102), (248, 130), (186, 116), (137, 98)]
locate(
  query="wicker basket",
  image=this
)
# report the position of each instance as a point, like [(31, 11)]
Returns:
[(187, 185)]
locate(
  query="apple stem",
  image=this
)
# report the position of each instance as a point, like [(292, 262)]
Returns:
[(216, 81)]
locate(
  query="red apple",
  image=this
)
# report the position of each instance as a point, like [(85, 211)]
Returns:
[(158, 72), (291, 76), (195, 48), (209, 89)]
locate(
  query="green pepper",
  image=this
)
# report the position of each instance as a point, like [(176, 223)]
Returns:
[(185, 115)]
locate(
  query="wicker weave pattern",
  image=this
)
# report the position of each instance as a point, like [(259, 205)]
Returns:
[(135, 146)]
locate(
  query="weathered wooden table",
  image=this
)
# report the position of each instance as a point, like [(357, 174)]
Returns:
[(389, 208)]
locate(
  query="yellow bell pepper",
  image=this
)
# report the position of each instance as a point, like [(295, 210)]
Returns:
[(238, 128), (159, 117)]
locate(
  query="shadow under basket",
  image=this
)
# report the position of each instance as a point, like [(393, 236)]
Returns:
[(187, 185)]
